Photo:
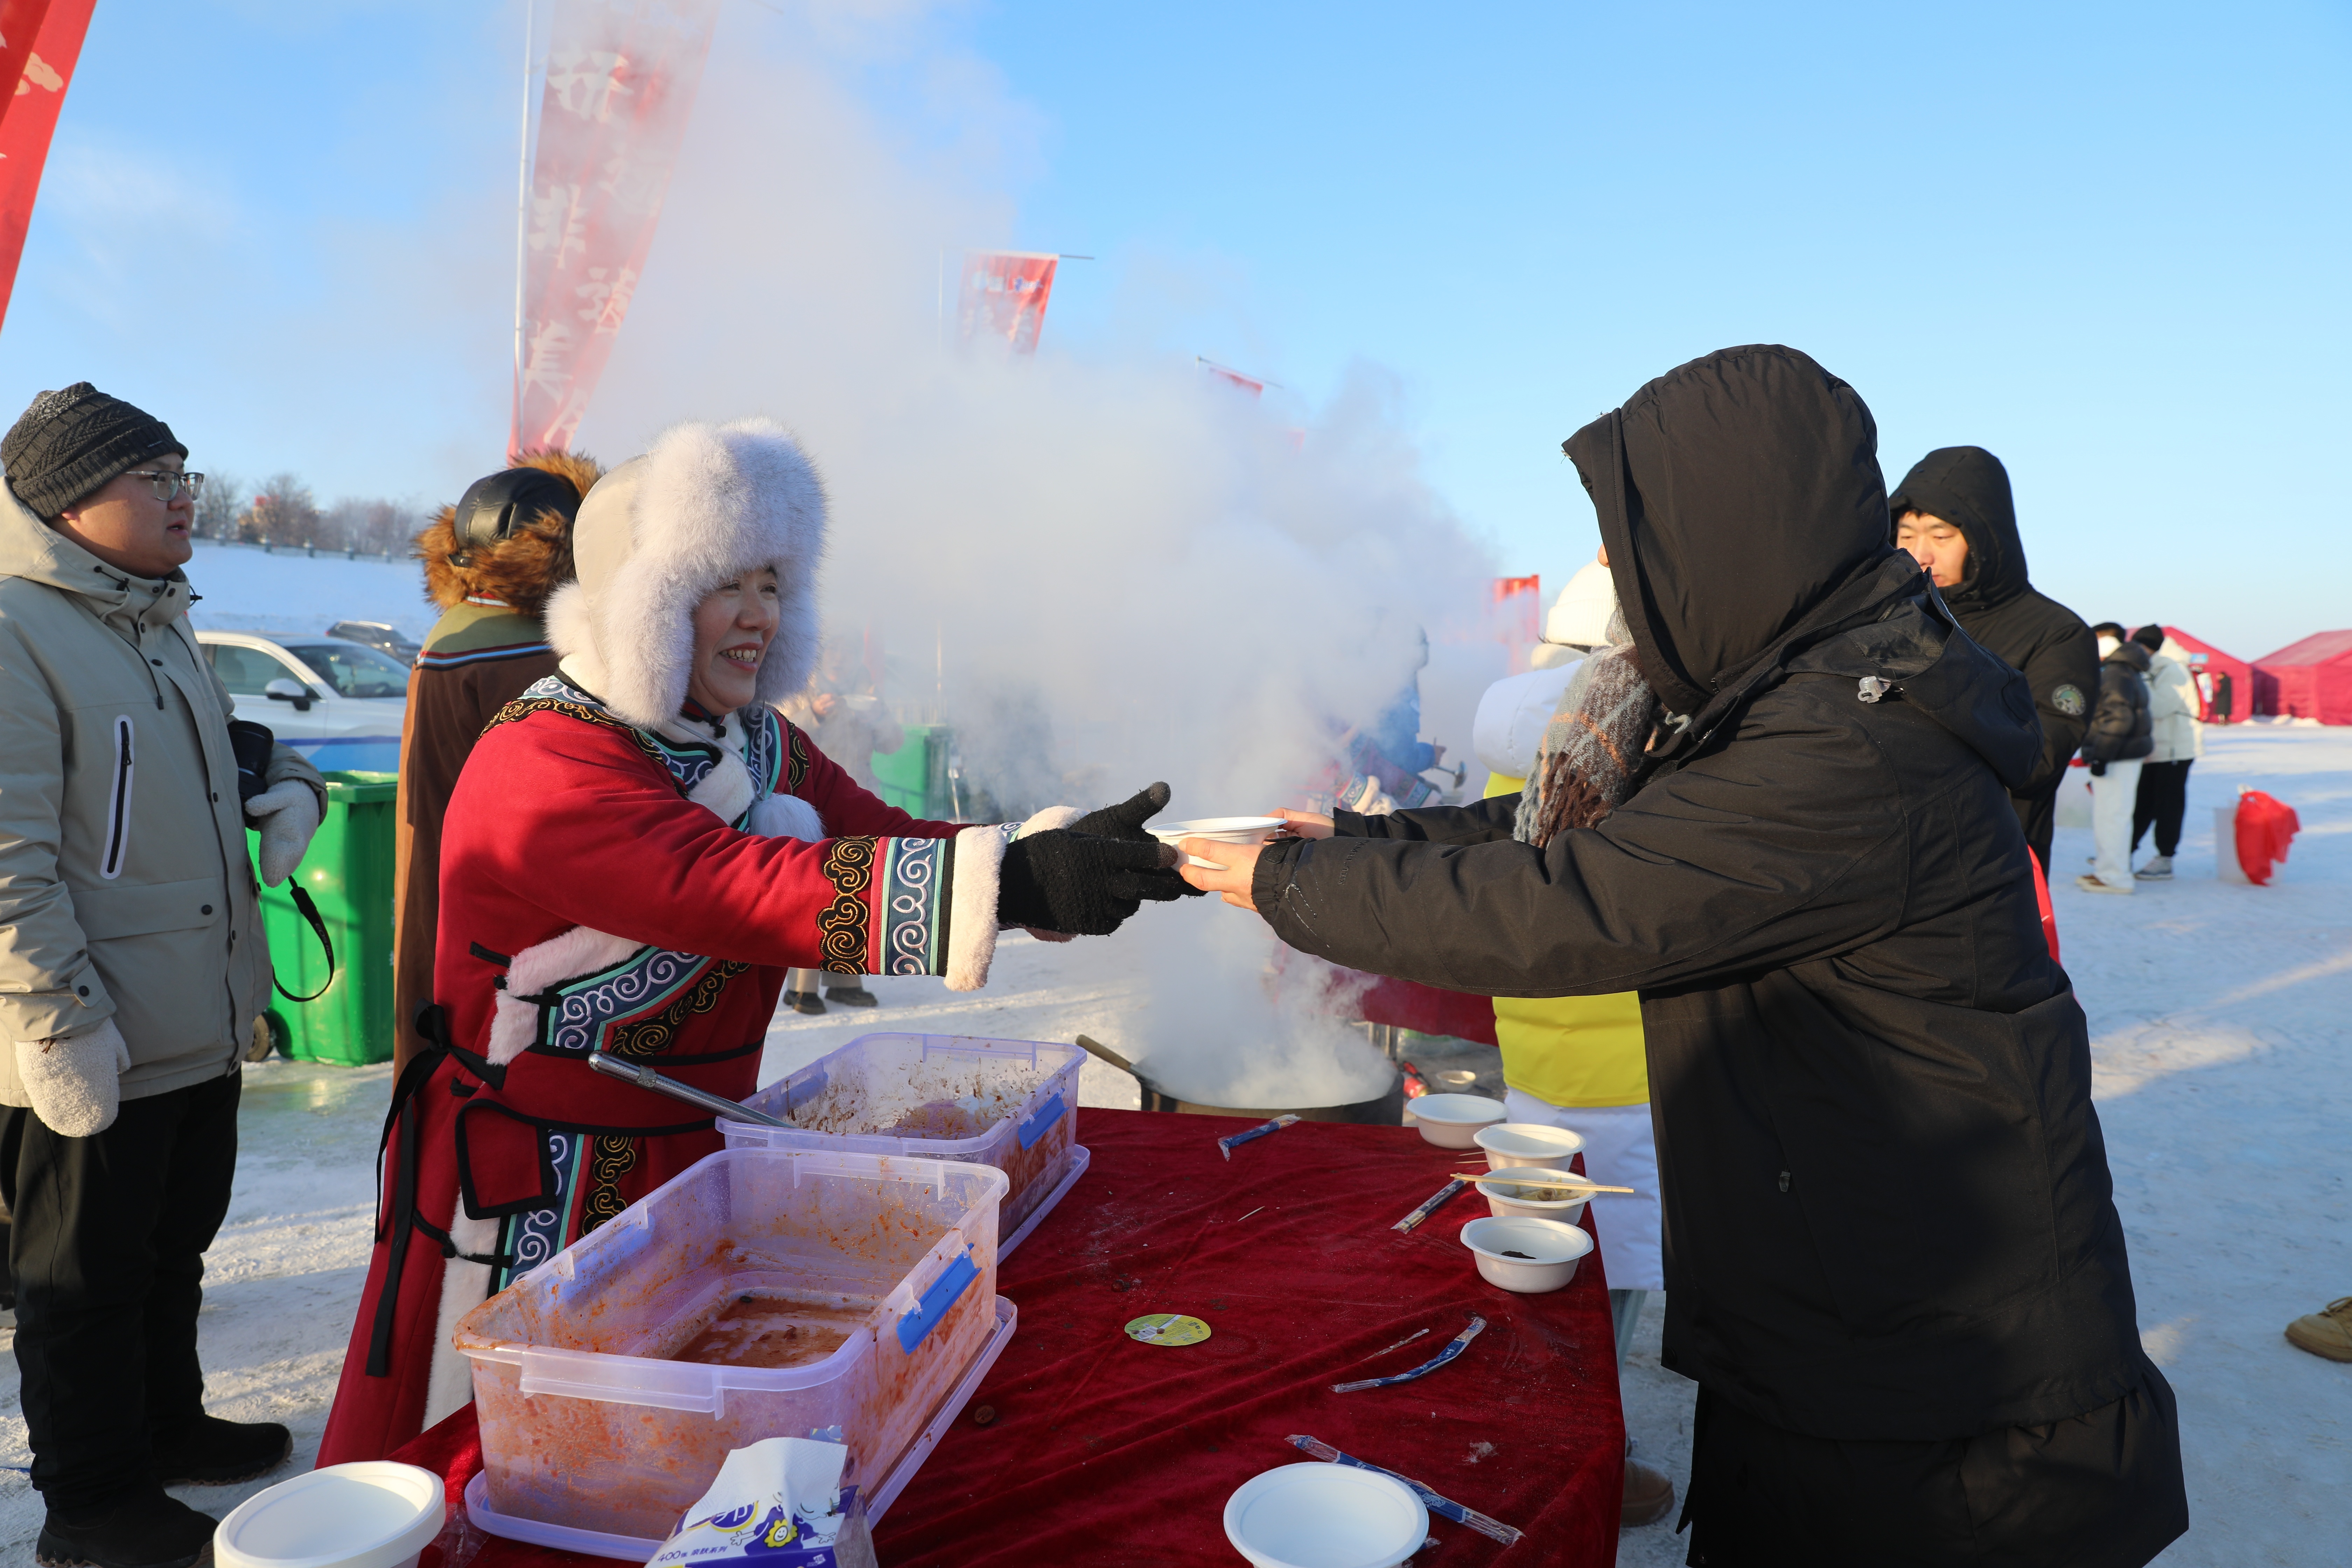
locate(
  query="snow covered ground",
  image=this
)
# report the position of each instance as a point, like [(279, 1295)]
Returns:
[(244, 588), (2219, 1018)]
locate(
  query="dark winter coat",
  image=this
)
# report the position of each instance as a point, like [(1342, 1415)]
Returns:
[(1887, 1209), (2121, 729), (2031, 633)]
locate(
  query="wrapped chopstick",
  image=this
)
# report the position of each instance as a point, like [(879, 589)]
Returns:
[(1413, 1221), (1225, 1145), (1447, 1508), (1454, 1347)]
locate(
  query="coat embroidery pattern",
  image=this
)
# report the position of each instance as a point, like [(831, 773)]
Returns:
[(889, 913)]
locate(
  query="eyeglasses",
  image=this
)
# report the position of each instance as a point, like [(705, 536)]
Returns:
[(168, 484)]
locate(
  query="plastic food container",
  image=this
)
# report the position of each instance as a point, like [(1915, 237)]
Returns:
[(828, 1290), (1325, 1516), (1012, 1104), (1507, 1194), (1452, 1121), (1546, 1252), (371, 1514), (1527, 1144)]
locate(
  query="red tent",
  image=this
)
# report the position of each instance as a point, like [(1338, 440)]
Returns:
[(2224, 683), (2309, 680)]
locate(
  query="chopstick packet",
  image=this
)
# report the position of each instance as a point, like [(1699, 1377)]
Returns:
[(1454, 1347)]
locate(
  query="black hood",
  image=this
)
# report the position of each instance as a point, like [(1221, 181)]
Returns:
[(1743, 510), (2132, 656), (1966, 487)]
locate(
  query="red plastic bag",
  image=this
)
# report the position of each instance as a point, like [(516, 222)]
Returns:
[(2265, 828)]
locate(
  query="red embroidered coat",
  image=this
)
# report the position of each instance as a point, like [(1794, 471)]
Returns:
[(590, 898)]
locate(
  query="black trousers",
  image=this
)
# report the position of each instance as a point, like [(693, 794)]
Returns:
[(2099, 1491), (108, 1252), (2163, 800)]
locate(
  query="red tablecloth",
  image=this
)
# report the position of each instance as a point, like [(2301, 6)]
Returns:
[(1106, 1451)]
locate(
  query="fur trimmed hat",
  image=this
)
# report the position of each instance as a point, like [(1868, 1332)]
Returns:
[(525, 568), (662, 530)]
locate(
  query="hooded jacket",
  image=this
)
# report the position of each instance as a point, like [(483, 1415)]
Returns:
[(488, 647), (1887, 1208), (125, 886), (1997, 605), (2121, 730)]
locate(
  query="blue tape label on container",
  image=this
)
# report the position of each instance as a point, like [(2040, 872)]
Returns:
[(1037, 1126), (932, 1306)]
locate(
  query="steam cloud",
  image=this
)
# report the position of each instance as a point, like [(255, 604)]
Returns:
[(1133, 572)]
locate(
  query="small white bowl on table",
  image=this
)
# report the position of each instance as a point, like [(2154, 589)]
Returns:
[(1219, 829), (1325, 1516), (1510, 1143), (1452, 1121), (1506, 1192), (1549, 1251), (371, 1513)]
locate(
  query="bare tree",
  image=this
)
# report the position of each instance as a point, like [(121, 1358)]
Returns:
[(283, 514), (217, 508), (373, 527)]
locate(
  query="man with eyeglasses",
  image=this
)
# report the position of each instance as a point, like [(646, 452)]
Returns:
[(132, 965)]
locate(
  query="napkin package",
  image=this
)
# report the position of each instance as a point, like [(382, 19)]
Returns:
[(779, 1503)]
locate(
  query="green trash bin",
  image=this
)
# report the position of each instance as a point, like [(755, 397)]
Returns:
[(347, 874), (914, 778)]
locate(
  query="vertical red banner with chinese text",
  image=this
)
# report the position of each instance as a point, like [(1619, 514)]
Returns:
[(621, 80), (40, 43), (1003, 296), (1515, 613)]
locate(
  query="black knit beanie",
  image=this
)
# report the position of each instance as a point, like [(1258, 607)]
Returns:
[(66, 443), (2150, 637)]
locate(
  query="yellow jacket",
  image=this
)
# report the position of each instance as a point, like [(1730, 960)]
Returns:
[(1571, 1051)]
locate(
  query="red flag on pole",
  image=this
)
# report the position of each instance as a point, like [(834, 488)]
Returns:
[(621, 80), (1003, 298), (1233, 378), (40, 43)]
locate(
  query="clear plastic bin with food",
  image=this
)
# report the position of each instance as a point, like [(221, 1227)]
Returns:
[(1012, 1104), (761, 1293)]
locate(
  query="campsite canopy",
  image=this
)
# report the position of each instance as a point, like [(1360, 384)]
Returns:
[(2308, 680)]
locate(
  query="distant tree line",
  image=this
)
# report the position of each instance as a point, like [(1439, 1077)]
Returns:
[(282, 513)]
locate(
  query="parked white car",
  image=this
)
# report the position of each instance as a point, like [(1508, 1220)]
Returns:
[(339, 703)]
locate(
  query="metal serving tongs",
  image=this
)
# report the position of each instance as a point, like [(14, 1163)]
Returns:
[(646, 1077)]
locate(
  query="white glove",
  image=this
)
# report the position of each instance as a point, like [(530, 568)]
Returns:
[(75, 1080), (289, 815)]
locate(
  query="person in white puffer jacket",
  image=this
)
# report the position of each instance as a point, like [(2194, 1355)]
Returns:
[(2163, 799)]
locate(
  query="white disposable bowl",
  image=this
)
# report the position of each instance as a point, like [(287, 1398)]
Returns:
[(1451, 1120), (1502, 1199), (1551, 1248), (1529, 1143), (1325, 1516), (1223, 829), (368, 1514)]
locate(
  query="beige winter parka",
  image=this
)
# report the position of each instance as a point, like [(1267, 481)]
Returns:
[(125, 888)]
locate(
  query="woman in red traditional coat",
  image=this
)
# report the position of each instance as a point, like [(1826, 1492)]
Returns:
[(637, 850)]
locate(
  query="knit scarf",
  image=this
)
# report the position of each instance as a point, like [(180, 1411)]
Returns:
[(1592, 745)]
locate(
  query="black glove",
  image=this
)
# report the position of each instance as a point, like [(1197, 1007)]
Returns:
[(1080, 884), (1125, 822), (2098, 770)]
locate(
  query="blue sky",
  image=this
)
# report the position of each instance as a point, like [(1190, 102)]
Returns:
[(2106, 242)]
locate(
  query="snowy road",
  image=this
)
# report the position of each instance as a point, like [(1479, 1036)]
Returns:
[(2219, 1018)]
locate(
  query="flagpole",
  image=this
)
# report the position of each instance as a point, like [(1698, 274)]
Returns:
[(523, 209)]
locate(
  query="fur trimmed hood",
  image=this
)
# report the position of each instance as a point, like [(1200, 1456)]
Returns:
[(524, 569), (663, 529)]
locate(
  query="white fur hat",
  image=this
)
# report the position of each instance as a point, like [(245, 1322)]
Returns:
[(1579, 617), (656, 534)]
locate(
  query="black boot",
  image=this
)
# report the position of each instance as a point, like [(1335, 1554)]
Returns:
[(803, 1001), (211, 1452), (136, 1530), (851, 995)]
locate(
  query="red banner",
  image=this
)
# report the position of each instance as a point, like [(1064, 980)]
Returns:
[(621, 80), (1516, 613), (40, 43), (1003, 298)]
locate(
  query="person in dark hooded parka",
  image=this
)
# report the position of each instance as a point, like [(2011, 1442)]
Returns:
[(1893, 1260), (1966, 489)]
